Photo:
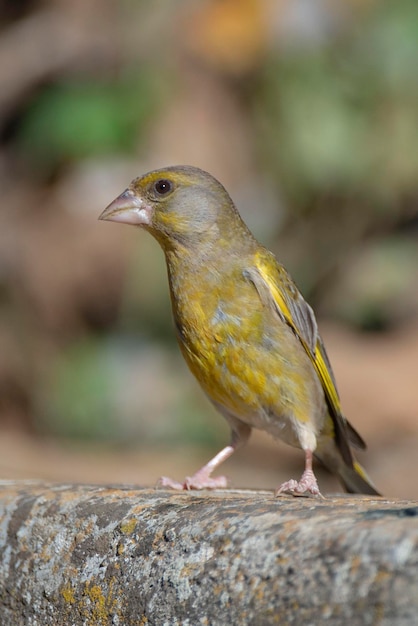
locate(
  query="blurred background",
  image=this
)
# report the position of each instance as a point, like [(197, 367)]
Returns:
[(307, 111)]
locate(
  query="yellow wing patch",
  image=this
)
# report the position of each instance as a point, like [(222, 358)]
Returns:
[(293, 309)]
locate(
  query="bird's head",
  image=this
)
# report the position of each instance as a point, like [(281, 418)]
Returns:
[(178, 205)]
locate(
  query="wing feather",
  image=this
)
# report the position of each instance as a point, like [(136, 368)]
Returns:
[(278, 291)]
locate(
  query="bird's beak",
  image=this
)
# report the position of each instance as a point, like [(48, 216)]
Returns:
[(128, 208)]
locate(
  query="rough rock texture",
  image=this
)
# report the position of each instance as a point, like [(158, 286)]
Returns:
[(125, 556)]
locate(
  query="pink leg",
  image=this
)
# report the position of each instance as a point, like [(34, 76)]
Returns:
[(202, 478), (307, 483)]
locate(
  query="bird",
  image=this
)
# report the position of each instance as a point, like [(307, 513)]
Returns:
[(244, 329)]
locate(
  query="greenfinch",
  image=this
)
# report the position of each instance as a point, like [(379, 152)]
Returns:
[(244, 329)]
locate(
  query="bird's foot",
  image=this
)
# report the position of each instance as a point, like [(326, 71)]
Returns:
[(197, 481), (307, 485), (202, 479), (165, 481)]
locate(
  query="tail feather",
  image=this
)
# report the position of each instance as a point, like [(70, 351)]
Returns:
[(352, 475), (355, 479)]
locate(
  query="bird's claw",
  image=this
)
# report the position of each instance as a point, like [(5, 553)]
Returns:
[(165, 481), (307, 485), (205, 482), (194, 482)]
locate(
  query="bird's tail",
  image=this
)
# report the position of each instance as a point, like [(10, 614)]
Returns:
[(352, 475), (355, 479)]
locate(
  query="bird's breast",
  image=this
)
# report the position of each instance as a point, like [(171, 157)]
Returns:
[(221, 341), (244, 357)]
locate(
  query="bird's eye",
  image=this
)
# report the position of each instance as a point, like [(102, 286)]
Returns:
[(163, 186)]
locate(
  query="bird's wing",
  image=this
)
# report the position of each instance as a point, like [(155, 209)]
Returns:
[(277, 290)]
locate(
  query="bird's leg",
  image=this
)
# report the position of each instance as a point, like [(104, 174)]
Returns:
[(307, 483), (202, 479)]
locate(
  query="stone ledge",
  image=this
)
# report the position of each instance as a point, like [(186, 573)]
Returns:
[(73, 554)]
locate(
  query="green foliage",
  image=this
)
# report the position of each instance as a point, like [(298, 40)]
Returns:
[(343, 116), (123, 390), (375, 292), (73, 120), (77, 399)]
